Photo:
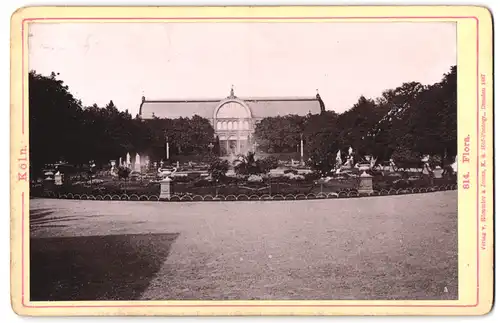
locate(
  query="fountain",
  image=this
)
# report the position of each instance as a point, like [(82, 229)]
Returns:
[(128, 163), (137, 164)]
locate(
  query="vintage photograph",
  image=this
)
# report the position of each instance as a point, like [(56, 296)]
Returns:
[(242, 161)]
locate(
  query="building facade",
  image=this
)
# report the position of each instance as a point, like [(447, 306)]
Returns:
[(233, 119)]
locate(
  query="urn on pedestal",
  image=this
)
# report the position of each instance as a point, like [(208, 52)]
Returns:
[(365, 181)]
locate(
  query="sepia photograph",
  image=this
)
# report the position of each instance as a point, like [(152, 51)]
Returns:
[(242, 161)]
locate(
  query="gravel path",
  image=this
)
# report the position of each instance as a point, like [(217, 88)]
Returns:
[(395, 247)]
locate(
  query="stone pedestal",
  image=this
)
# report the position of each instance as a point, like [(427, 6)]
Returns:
[(365, 183), (166, 188)]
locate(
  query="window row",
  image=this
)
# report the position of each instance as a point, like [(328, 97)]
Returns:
[(233, 125)]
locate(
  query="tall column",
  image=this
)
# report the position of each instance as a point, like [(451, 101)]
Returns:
[(301, 150), (227, 144), (167, 148)]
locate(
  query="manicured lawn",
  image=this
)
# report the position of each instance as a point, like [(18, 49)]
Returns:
[(395, 247)]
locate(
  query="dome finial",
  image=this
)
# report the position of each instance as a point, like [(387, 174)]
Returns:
[(231, 95), (317, 94)]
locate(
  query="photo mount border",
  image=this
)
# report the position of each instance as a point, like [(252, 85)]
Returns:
[(236, 305)]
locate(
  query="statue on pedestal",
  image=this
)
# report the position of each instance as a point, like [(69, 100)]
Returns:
[(338, 160)]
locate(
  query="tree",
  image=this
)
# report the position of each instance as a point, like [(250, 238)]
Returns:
[(246, 164), (124, 172), (218, 168), (410, 118), (321, 139), (279, 134), (61, 129), (185, 136), (201, 134), (54, 122), (266, 164), (391, 131), (429, 124), (355, 124)]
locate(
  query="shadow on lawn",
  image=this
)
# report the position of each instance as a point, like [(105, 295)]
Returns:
[(115, 267), (40, 219), (39, 214)]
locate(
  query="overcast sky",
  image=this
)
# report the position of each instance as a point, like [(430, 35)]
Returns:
[(124, 61)]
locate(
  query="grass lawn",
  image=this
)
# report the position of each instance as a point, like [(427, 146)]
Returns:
[(395, 247)]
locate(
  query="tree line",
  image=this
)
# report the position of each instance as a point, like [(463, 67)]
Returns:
[(63, 129), (403, 123)]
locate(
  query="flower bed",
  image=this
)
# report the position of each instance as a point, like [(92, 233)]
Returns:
[(278, 186)]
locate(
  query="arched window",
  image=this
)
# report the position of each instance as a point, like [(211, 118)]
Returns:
[(219, 125), (232, 110), (246, 126), (230, 125), (235, 124), (224, 125)]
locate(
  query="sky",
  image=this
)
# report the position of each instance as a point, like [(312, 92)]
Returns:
[(125, 61)]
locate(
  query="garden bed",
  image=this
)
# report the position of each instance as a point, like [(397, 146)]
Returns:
[(282, 186)]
